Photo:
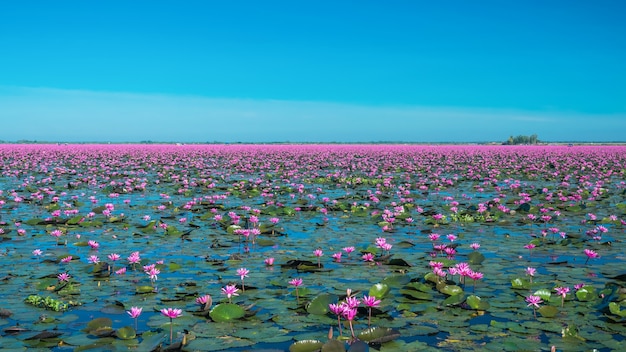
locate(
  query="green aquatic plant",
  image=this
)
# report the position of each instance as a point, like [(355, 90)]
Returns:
[(47, 303)]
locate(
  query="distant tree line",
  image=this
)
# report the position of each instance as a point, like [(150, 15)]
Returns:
[(532, 139)]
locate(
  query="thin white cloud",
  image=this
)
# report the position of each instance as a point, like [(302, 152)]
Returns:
[(78, 115)]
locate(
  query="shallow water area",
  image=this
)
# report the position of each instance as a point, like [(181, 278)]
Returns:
[(524, 220)]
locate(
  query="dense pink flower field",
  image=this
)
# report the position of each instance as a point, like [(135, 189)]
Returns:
[(408, 246)]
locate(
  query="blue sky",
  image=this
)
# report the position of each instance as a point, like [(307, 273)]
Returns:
[(313, 71)]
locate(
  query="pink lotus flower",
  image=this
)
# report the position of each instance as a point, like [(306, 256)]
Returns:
[(114, 257), (337, 309), (134, 258), (93, 259), (533, 301), (93, 244), (243, 272), (230, 291), (318, 253), (153, 274), (562, 291), (591, 254), (350, 314), (370, 302), (64, 277), (269, 261), (204, 301), (352, 302), (37, 252), (296, 283), (171, 313), (134, 312), (368, 257)]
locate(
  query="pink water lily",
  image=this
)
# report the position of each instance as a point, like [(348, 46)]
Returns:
[(534, 301), (370, 302), (134, 313), (447, 189), (171, 313), (204, 302), (243, 272), (230, 291), (591, 254), (297, 282), (64, 277), (318, 253)]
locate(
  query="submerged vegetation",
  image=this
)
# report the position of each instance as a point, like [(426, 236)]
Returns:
[(312, 247)]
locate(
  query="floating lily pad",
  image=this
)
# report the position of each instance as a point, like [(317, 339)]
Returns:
[(334, 346), (225, 312), (306, 346), (544, 294), (476, 258), (396, 280), (476, 302), (378, 335), (98, 324), (520, 284), (379, 290), (586, 293), (419, 295), (450, 290), (126, 333), (548, 311), (319, 304)]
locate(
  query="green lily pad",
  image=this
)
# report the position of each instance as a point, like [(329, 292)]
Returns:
[(450, 290), (98, 323), (306, 346), (615, 308), (425, 296), (454, 300), (334, 346), (396, 280), (319, 304), (548, 311), (144, 289), (379, 290), (476, 302), (378, 335), (476, 258), (126, 333), (544, 294), (520, 284), (225, 312), (586, 293)]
